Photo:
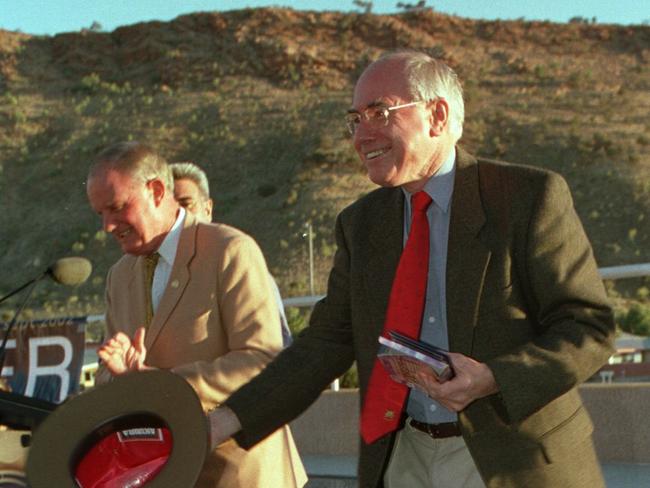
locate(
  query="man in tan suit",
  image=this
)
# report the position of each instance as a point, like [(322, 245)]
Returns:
[(208, 314), (192, 192)]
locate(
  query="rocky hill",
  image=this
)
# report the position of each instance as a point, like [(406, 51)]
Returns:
[(257, 96)]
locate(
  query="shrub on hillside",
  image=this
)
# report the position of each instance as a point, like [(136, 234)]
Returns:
[(635, 320)]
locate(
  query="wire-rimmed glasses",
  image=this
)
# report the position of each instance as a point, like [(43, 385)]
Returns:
[(376, 115)]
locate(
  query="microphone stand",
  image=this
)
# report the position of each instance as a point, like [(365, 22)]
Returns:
[(3, 346), (18, 411), (22, 287)]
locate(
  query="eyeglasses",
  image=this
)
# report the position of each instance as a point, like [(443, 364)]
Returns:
[(376, 115)]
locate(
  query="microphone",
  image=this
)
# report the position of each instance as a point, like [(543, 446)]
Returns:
[(67, 271), (70, 271)]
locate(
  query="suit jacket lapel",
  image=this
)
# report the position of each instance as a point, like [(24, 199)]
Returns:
[(385, 244), (178, 280), (136, 290), (467, 257)]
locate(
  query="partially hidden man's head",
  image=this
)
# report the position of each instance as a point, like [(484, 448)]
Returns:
[(407, 113), (130, 187), (192, 190)]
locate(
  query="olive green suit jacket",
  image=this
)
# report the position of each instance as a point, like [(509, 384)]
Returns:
[(216, 326), (523, 295)]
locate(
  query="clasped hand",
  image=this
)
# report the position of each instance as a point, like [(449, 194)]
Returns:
[(120, 354), (472, 380)]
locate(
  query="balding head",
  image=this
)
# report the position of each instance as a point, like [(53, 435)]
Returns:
[(428, 78), (131, 189), (136, 159)]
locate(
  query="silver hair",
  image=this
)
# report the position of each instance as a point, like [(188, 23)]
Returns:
[(431, 78), (135, 159), (192, 172)]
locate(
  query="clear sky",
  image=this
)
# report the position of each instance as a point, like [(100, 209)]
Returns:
[(55, 16)]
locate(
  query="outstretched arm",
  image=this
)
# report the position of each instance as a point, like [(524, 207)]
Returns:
[(223, 424)]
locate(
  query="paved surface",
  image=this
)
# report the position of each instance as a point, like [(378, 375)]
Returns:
[(622, 475), (330, 483), (340, 472)]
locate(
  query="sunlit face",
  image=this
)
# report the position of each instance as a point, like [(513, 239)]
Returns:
[(129, 209), (188, 195), (405, 151)]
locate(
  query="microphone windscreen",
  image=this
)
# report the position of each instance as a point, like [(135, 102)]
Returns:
[(70, 271)]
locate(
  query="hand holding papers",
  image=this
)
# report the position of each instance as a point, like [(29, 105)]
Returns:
[(404, 358)]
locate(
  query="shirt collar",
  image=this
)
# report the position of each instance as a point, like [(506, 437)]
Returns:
[(441, 185), (167, 249)]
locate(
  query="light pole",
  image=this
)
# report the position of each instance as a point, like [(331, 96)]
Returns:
[(309, 234)]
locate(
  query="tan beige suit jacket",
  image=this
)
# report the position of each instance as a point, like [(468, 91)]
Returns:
[(217, 326)]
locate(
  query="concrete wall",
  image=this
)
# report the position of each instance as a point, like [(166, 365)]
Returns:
[(330, 426), (621, 415)]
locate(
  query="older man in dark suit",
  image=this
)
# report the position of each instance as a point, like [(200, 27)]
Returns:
[(510, 287)]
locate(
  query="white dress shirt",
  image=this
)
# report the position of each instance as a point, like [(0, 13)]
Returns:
[(167, 252)]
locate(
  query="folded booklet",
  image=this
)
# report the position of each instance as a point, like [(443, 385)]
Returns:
[(404, 357)]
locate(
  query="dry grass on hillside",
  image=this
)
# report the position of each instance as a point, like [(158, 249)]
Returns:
[(256, 96)]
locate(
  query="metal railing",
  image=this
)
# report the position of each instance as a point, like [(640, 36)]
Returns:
[(606, 273), (626, 271)]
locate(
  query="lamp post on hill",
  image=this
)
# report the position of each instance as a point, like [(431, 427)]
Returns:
[(309, 234)]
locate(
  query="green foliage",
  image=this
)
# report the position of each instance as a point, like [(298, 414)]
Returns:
[(19, 117), (365, 6), (582, 20), (580, 79), (350, 378), (635, 320), (10, 99), (95, 331), (413, 7), (297, 319), (331, 151), (540, 71), (92, 84), (603, 143), (643, 293)]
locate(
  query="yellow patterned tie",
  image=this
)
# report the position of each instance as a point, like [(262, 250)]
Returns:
[(150, 263)]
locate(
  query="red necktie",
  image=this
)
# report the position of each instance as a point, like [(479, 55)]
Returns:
[(385, 398)]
